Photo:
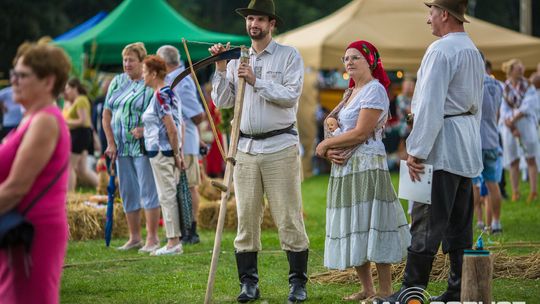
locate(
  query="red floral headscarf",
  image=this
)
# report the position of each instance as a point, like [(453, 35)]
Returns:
[(373, 59)]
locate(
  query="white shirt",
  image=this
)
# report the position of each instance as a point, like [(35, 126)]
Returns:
[(272, 103), (372, 95), (450, 81)]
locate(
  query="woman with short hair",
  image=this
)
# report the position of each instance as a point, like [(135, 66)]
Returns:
[(35, 159), (162, 140), (127, 99)]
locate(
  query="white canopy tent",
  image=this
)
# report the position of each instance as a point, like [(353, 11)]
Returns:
[(398, 29)]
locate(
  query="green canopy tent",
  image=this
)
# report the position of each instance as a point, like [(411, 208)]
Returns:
[(154, 23)]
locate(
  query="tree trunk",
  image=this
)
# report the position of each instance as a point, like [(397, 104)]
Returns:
[(477, 275)]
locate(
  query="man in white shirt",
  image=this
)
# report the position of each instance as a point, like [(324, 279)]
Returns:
[(446, 134), (267, 161)]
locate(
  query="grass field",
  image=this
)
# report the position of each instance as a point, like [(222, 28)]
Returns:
[(96, 274)]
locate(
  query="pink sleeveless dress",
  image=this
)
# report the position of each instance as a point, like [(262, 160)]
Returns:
[(42, 283)]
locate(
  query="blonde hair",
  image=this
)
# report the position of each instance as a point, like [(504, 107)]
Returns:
[(137, 48), (508, 65)]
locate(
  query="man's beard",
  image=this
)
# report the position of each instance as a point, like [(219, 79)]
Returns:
[(260, 36)]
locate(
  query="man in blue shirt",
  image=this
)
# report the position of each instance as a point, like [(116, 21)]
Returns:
[(11, 112), (192, 114), (491, 154)]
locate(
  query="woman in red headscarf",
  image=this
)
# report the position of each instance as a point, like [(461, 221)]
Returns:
[(364, 220)]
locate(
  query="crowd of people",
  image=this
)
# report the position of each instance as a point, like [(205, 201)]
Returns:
[(147, 130), (457, 118)]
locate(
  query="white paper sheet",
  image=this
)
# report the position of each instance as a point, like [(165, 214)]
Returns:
[(418, 191)]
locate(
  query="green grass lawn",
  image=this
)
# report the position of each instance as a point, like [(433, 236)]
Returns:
[(96, 274)]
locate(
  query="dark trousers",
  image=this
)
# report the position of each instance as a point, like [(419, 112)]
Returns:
[(448, 219)]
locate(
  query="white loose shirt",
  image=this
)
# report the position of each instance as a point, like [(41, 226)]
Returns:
[(272, 103), (450, 81)]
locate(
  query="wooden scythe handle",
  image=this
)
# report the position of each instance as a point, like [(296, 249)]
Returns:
[(228, 178)]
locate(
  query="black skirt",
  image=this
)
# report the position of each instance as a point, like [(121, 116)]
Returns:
[(81, 140)]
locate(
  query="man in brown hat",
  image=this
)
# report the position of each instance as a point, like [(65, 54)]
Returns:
[(267, 162), (446, 134)]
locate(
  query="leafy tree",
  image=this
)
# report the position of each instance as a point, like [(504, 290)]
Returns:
[(28, 20), (502, 12)]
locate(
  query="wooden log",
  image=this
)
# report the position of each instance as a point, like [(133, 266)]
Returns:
[(476, 277)]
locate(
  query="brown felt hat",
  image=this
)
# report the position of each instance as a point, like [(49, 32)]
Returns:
[(261, 8), (456, 8)]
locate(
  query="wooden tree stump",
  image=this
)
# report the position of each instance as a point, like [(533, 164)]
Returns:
[(476, 276)]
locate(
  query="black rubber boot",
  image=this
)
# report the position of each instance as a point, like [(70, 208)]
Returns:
[(297, 275), (453, 292), (246, 262), (193, 233), (415, 280)]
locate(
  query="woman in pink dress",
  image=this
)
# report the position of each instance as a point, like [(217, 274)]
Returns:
[(32, 157)]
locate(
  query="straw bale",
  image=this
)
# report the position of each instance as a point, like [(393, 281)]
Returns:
[(208, 213), (87, 220), (504, 266), (208, 191)]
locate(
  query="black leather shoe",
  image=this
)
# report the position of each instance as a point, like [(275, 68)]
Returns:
[(249, 291), (195, 239), (297, 293), (186, 240), (446, 297)]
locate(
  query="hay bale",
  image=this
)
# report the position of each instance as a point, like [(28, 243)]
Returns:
[(504, 266), (208, 191), (209, 213), (86, 220)]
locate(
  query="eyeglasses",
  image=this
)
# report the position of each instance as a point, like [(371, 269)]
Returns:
[(350, 58), (14, 75)]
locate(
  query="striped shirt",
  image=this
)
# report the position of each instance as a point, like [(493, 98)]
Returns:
[(127, 100), (272, 103)]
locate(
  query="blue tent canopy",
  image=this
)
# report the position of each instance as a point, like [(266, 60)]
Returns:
[(83, 27)]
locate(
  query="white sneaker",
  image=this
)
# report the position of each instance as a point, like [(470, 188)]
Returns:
[(168, 251)]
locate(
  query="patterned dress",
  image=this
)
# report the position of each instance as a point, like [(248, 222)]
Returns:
[(364, 219)]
